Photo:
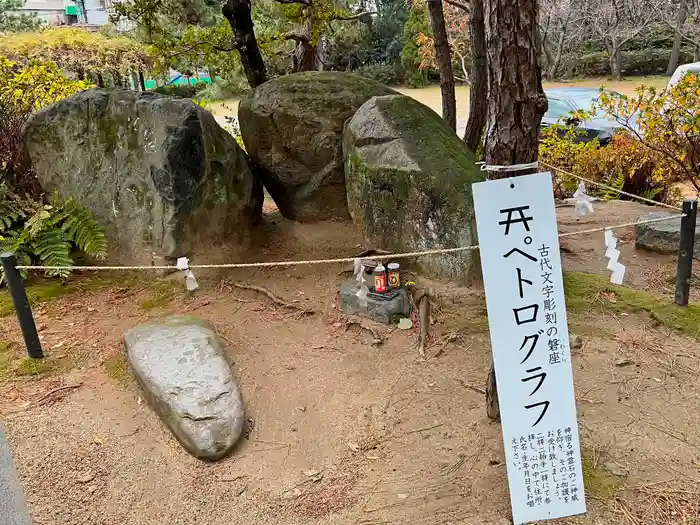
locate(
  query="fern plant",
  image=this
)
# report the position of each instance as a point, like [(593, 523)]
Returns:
[(48, 234), (614, 181)]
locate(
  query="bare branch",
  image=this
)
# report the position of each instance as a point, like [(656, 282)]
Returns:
[(304, 2), (458, 5), (354, 17)]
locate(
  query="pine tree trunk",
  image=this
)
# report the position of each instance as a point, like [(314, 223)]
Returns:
[(444, 60), (477, 89), (142, 81), (678, 39), (238, 14), (516, 101)]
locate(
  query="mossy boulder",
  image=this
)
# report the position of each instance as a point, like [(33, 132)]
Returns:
[(408, 179), (158, 172), (292, 129)]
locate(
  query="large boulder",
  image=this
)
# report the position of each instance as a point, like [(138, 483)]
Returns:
[(292, 128), (158, 172), (182, 369), (409, 180), (663, 236)]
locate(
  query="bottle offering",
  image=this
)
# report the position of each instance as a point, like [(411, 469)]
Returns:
[(380, 279), (394, 277)]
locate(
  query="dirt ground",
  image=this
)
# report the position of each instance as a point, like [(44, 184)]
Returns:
[(345, 431)]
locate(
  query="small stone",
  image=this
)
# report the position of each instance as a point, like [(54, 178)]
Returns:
[(614, 469), (301, 409), (576, 342), (294, 427), (86, 477)]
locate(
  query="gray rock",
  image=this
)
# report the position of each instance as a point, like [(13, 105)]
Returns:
[(292, 128), (387, 311), (663, 236), (158, 172), (180, 364), (408, 179)]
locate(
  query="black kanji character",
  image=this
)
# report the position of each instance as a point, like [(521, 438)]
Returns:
[(545, 263), (516, 311), (554, 358), (547, 278), (510, 220), (553, 345), (541, 376), (549, 304), (550, 318), (544, 251), (532, 348), (548, 291), (545, 404), (521, 281), (518, 250)]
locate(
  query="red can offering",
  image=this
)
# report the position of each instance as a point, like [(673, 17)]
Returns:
[(379, 274)]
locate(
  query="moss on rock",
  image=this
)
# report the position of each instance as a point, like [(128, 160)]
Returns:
[(408, 179)]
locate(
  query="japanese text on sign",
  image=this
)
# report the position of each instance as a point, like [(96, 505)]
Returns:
[(519, 246)]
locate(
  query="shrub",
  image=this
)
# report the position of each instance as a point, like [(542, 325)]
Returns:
[(385, 73), (182, 90), (23, 90), (666, 126), (623, 164), (634, 62), (48, 234)]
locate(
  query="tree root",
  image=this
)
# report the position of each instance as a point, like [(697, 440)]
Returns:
[(272, 297), (377, 338)]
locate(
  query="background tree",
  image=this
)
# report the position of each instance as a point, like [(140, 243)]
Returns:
[(478, 91), (444, 61), (516, 101), (11, 21)]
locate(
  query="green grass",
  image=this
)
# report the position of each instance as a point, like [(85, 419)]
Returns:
[(117, 368), (599, 483), (43, 290), (29, 366), (588, 292), (162, 292)]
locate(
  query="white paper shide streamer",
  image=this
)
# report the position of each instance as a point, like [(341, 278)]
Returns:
[(612, 253), (359, 270), (183, 264), (584, 203)]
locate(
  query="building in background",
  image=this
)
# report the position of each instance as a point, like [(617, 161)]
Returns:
[(89, 13)]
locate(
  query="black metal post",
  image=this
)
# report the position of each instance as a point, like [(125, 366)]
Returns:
[(685, 252), (24, 312)]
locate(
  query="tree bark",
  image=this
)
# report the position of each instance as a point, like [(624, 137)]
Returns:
[(554, 66), (516, 101), (479, 77), (678, 39), (238, 14), (142, 81), (444, 60), (100, 80), (614, 58)]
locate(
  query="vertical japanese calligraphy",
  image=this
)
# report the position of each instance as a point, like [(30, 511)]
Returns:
[(521, 265)]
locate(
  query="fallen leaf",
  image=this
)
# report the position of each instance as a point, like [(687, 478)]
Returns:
[(373, 457), (405, 324), (353, 446), (98, 441), (301, 409), (90, 309), (402, 496), (623, 362), (139, 400), (656, 379)]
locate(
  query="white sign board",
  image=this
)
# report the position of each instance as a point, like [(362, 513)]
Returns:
[(519, 246)]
